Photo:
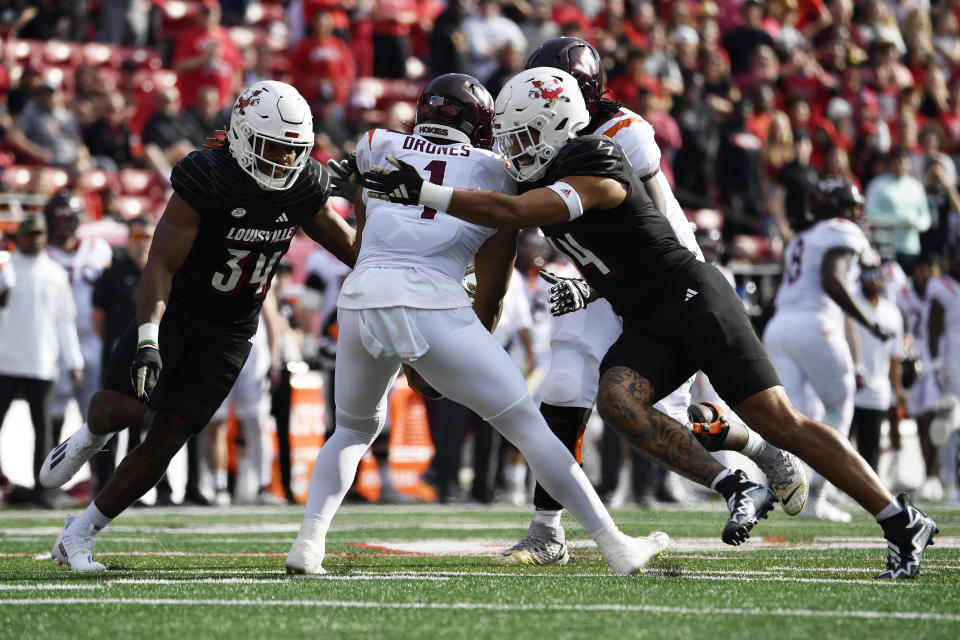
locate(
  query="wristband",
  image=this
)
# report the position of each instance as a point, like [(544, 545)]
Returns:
[(435, 196), (148, 334), (570, 198)]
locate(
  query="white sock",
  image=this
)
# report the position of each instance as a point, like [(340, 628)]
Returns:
[(552, 464), (755, 445), (549, 517), (90, 522), (333, 472), (220, 480), (515, 475), (720, 476), (90, 437), (891, 509), (608, 538)]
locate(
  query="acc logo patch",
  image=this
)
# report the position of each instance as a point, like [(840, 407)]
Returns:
[(239, 212)]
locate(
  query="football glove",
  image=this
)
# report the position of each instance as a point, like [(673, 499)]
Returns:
[(401, 185), (469, 285), (145, 371), (345, 176), (567, 294)]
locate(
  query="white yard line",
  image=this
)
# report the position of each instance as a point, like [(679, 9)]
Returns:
[(52, 586), (495, 606)]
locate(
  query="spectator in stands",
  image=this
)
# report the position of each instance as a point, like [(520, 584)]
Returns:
[(108, 138), (206, 115), (448, 45), (939, 180), (39, 326), (168, 136), (740, 165), (125, 21), (392, 24), (510, 61), (114, 306), (205, 56), (54, 21), (46, 132), (25, 91), (898, 200), (323, 67), (539, 26), (740, 42), (695, 161), (87, 95), (660, 62), (486, 32), (719, 91)]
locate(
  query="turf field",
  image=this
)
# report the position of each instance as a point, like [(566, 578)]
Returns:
[(423, 572)]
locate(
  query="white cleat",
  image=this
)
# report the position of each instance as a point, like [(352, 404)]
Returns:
[(306, 554), (787, 478), (634, 554), (66, 458), (76, 551), (822, 509)]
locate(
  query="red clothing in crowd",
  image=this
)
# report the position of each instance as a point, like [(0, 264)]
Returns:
[(220, 73), (386, 14), (341, 21), (571, 13), (323, 70)]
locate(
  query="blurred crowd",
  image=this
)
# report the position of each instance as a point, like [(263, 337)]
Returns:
[(753, 102)]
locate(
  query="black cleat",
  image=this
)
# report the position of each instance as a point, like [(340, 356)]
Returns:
[(748, 502), (908, 533)]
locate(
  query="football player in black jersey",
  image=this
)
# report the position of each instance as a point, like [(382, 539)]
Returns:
[(679, 315), (233, 213)]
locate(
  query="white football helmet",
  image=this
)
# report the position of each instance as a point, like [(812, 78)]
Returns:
[(266, 114), (535, 114)]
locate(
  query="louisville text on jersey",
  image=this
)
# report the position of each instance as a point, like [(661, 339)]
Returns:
[(260, 235)]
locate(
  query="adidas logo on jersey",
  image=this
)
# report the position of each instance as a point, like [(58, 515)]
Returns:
[(282, 218), (690, 294)]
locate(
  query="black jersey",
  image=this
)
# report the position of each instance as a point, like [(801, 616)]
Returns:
[(626, 252), (244, 231)]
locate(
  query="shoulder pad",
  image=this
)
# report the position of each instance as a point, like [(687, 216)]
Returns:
[(590, 156)]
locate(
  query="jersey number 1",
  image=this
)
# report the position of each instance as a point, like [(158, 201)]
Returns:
[(436, 168), (260, 278)]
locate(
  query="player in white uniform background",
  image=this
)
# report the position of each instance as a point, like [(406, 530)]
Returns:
[(405, 303), (580, 339), (879, 365), (84, 259), (924, 396), (807, 336), (944, 347)]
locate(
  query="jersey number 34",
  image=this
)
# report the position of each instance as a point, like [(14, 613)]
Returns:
[(260, 276)]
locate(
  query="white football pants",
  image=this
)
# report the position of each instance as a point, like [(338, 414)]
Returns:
[(456, 355)]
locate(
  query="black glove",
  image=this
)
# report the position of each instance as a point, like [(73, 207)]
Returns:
[(145, 371), (401, 185), (567, 294), (345, 176), (881, 333)]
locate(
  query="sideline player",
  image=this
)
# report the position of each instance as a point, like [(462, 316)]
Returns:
[(944, 348), (680, 314), (806, 337), (404, 304), (231, 218), (579, 339)]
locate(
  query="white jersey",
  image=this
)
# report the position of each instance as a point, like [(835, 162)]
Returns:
[(84, 266), (946, 291), (894, 279), (916, 310), (801, 288), (636, 137), (877, 392), (415, 256)]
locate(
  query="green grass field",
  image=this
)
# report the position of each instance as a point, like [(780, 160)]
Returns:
[(424, 572)]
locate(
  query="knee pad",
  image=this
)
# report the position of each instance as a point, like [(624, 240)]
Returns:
[(364, 429), (709, 429)]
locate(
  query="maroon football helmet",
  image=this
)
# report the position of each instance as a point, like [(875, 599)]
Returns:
[(838, 198), (578, 58), (458, 101)]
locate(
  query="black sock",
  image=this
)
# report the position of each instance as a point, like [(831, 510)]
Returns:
[(567, 423)]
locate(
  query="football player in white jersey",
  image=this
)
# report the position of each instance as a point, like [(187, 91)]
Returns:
[(579, 340), (679, 314), (806, 337), (404, 304), (944, 348), (924, 398), (84, 259)]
